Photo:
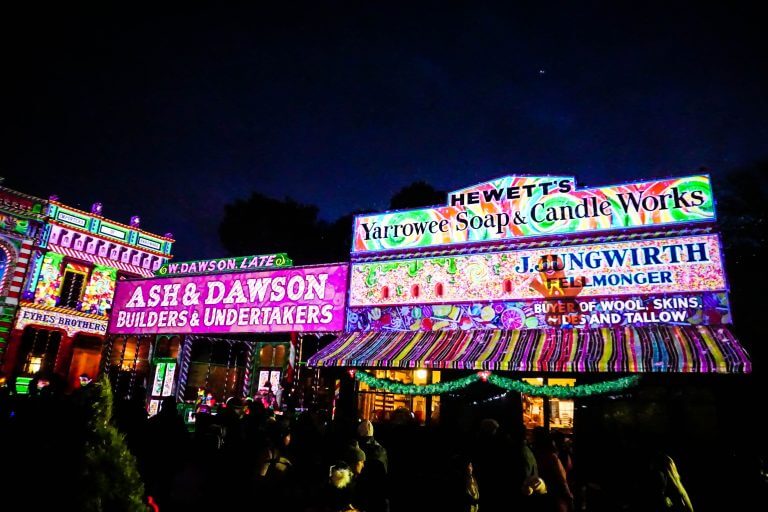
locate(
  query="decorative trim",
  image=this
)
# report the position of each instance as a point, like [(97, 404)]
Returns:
[(582, 390)]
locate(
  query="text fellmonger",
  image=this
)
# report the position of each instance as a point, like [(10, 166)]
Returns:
[(274, 301)]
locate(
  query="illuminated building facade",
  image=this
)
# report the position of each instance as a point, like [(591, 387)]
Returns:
[(21, 226), (66, 298)]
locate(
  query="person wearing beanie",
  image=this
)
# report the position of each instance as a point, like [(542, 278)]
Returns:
[(355, 457), (340, 492), (365, 429), (373, 450), (373, 481)]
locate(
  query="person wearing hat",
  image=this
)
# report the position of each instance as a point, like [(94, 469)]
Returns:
[(373, 450), (341, 492), (373, 481), (354, 457)]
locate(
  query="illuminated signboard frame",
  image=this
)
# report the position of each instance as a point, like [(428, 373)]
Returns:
[(686, 199), (302, 299), (224, 265), (708, 308), (69, 217), (70, 323), (97, 225), (655, 266), (149, 243)]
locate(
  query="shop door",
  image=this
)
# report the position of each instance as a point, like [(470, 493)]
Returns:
[(86, 357)]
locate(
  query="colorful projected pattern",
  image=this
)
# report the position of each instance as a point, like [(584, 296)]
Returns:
[(538, 211), (49, 282), (220, 265), (700, 349), (13, 223), (701, 309), (100, 290), (157, 383), (3, 265), (170, 372), (654, 266), (291, 299)]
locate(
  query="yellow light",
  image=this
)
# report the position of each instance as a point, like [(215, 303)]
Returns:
[(34, 364), (421, 374)]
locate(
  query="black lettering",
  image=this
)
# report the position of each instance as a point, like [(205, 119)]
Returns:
[(492, 195), (680, 198), (461, 220)]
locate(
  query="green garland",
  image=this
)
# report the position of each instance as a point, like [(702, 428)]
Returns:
[(399, 388), (581, 390), (598, 388)]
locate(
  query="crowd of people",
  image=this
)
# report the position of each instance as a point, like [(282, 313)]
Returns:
[(247, 453)]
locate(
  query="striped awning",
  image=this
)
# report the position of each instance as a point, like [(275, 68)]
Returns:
[(100, 260), (686, 349)]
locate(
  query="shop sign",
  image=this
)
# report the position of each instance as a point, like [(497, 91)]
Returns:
[(220, 265), (638, 267), (149, 243), (589, 312), (72, 218), (515, 207), (113, 231), (292, 299), (72, 324)]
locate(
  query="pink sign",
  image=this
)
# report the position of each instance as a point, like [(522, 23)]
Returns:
[(293, 299)]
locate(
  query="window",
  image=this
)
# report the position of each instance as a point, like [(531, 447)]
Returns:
[(72, 285), (39, 348), (167, 346), (128, 364), (379, 406), (218, 366)]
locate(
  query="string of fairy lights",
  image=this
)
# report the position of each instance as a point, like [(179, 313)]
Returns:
[(581, 390)]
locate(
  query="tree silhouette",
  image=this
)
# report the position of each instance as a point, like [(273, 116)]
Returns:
[(263, 225), (742, 217), (418, 194)]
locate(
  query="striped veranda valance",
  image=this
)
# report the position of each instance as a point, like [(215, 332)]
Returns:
[(663, 348)]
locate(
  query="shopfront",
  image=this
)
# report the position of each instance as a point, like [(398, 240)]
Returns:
[(530, 278), (218, 329)]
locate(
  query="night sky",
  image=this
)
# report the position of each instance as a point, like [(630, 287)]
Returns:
[(171, 112)]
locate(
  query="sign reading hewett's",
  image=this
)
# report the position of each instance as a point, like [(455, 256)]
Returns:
[(530, 206), (291, 299)]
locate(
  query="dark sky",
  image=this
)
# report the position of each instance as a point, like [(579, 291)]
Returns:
[(170, 112)]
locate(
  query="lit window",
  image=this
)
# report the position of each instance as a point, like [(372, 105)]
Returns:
[(34, 364)]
